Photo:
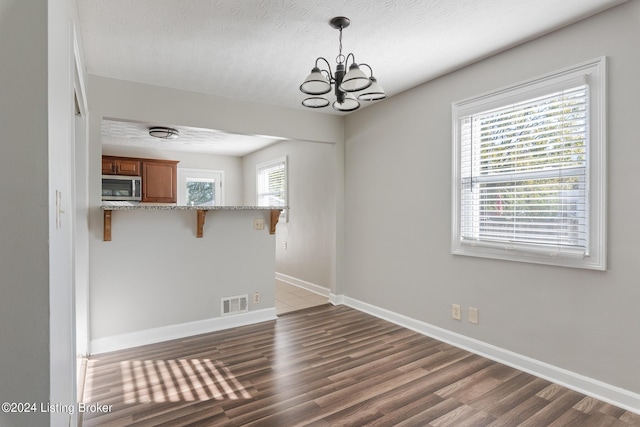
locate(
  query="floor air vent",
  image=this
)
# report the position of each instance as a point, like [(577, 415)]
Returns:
[(235, 305)]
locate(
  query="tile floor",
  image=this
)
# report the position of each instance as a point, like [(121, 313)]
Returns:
[(291, 298)]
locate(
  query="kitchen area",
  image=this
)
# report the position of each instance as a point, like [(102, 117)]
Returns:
[(151, 184)]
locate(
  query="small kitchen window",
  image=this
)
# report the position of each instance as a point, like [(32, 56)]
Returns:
[(200, 187)]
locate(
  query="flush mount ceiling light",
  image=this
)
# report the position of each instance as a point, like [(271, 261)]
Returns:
[(319, 81), (163, 132)]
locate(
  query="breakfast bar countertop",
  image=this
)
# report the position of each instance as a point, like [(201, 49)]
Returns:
[(125, 206), (201, 211)]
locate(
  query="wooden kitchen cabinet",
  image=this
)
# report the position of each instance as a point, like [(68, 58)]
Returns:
[(159, 181), (159, 177), (120, 166)]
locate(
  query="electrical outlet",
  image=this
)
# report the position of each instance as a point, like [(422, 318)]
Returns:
[(456, 311), (256, 297), (258, 224), (473, 315)]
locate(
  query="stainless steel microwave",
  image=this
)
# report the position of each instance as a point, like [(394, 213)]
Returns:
[(119, 187)]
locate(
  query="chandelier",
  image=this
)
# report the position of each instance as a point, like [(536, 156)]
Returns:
[(319, 81)]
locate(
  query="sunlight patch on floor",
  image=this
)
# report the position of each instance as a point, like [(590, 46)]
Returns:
[(180, 380)]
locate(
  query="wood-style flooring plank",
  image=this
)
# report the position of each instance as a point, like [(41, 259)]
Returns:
[(326, 366)]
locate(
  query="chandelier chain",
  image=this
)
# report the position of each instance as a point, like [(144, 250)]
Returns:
[(340, 57)]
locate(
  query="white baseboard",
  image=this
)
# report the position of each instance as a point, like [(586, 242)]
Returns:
[(320, 290), (337, 299), (617, 396), (181, 330)]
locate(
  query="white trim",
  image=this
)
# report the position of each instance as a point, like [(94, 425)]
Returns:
[(336, 299), (79, 77), (614, 395), (311, 287), (181, 330)]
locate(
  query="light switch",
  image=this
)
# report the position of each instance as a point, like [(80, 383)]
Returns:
[(59, 210), (258, 224)]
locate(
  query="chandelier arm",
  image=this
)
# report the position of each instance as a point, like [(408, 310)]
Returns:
[(346, 61), (369, 67), (328, 70)]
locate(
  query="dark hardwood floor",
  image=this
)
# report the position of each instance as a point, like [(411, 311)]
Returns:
[(326, 366)]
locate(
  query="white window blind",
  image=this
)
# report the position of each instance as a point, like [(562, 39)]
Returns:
[(272, 183), (529, 176), (524, 174)]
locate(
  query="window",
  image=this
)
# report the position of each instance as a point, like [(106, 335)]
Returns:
[(529, 171), (271, 183), (200, 187)]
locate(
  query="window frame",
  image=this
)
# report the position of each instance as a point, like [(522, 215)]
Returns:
[(284, 215), (186, 173), (594, 73)]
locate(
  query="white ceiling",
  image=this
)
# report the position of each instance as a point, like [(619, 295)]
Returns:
[(120, 133), (261, 50)]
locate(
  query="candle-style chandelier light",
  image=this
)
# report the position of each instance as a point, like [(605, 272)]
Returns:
[(319, 81)]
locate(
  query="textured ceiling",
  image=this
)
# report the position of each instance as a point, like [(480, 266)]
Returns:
[(261, 50), (119, 133)]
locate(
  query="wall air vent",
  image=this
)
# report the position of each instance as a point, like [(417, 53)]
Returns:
[(234, 305)]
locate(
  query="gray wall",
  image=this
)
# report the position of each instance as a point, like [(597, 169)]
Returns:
[(398, 158), (24, 269), (310, 229), (156, 273)]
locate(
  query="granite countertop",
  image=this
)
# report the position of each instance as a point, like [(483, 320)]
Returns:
[(129, 206)]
